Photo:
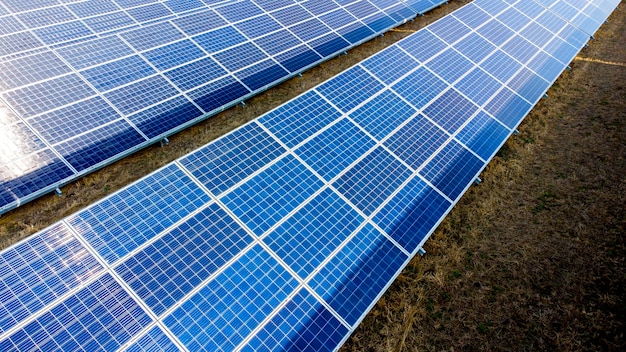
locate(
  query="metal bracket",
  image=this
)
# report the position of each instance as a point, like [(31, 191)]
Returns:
[(421, 252), (545, 96), (568, 67), (478, 180), (58, 192), (242, 103), (345, 53), (300, 75), (165, 142), (515, 132)]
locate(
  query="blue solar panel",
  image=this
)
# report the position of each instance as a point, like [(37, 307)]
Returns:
[(281, 234), (139, 55)]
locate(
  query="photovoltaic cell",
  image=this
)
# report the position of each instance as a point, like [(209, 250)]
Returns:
[(336, 148), (310, 235), (356, 275), (230, 306), (230, 159), (172, 266), (304, 324), (411, 215), (269, 196), (119, 224), (340, 90), (384, 113)]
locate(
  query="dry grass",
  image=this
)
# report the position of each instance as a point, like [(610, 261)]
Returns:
[(36, 215), (532, 259)]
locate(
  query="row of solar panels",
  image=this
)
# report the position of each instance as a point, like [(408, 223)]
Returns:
[(285, 232), (85, 83)]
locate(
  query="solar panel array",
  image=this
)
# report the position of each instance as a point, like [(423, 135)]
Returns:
[(84, 83), (284, 233)]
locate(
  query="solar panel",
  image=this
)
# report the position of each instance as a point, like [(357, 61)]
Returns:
[(152, 68), (283, 234)]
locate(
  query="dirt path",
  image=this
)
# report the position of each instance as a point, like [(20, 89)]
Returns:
[(533, 258)]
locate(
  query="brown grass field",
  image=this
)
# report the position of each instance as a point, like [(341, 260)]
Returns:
[(531, 259)]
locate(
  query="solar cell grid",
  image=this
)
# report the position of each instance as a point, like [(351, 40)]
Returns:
[(381, 115)]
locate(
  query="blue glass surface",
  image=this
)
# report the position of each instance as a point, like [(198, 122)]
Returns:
[(483, 135), (383, 114), (195, 74), (291, 15), (117, 225), (100, 144), (501, 66), (340, 90), (412, 214), (478, 86), (239, 10), (416, 141), (149, 12), (286, 123), (354, 277), (199, 22), (154, 340), (419, 87), (165, 116), (278, 42), (17, 42), (151, 36), (225, 162), (219, 39), (43, 169), (303, 324), (62, 32), (117, 73), (229, 307), (474, 47), (450, 65), (452, 169), (472, 16), (48, 95), (219, 93), (174, 54), (508, 107), (520, 49), (333, 150), (310, 235), (141, 94), (240, 56), (109, 22), (101, 316), (449, 29), (390, 64), (258, 26), (180, 260), (30, 69), (268, 197), (422, 45), (372, 180), (450, 110), (261, 75), (95, 52), (329, 44), (529, 85), (39, 270), (495, 32), (546, 66), (298, 58)]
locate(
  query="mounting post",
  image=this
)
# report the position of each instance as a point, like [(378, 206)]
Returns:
[(165, 142), (58, 192), (345, 53), (545, 96), (568, 67), (300, 75), (477, 180), (515, 132), (242, 103), (421, 252)]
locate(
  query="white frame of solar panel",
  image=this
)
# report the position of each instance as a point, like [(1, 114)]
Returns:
[(290, 152)]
